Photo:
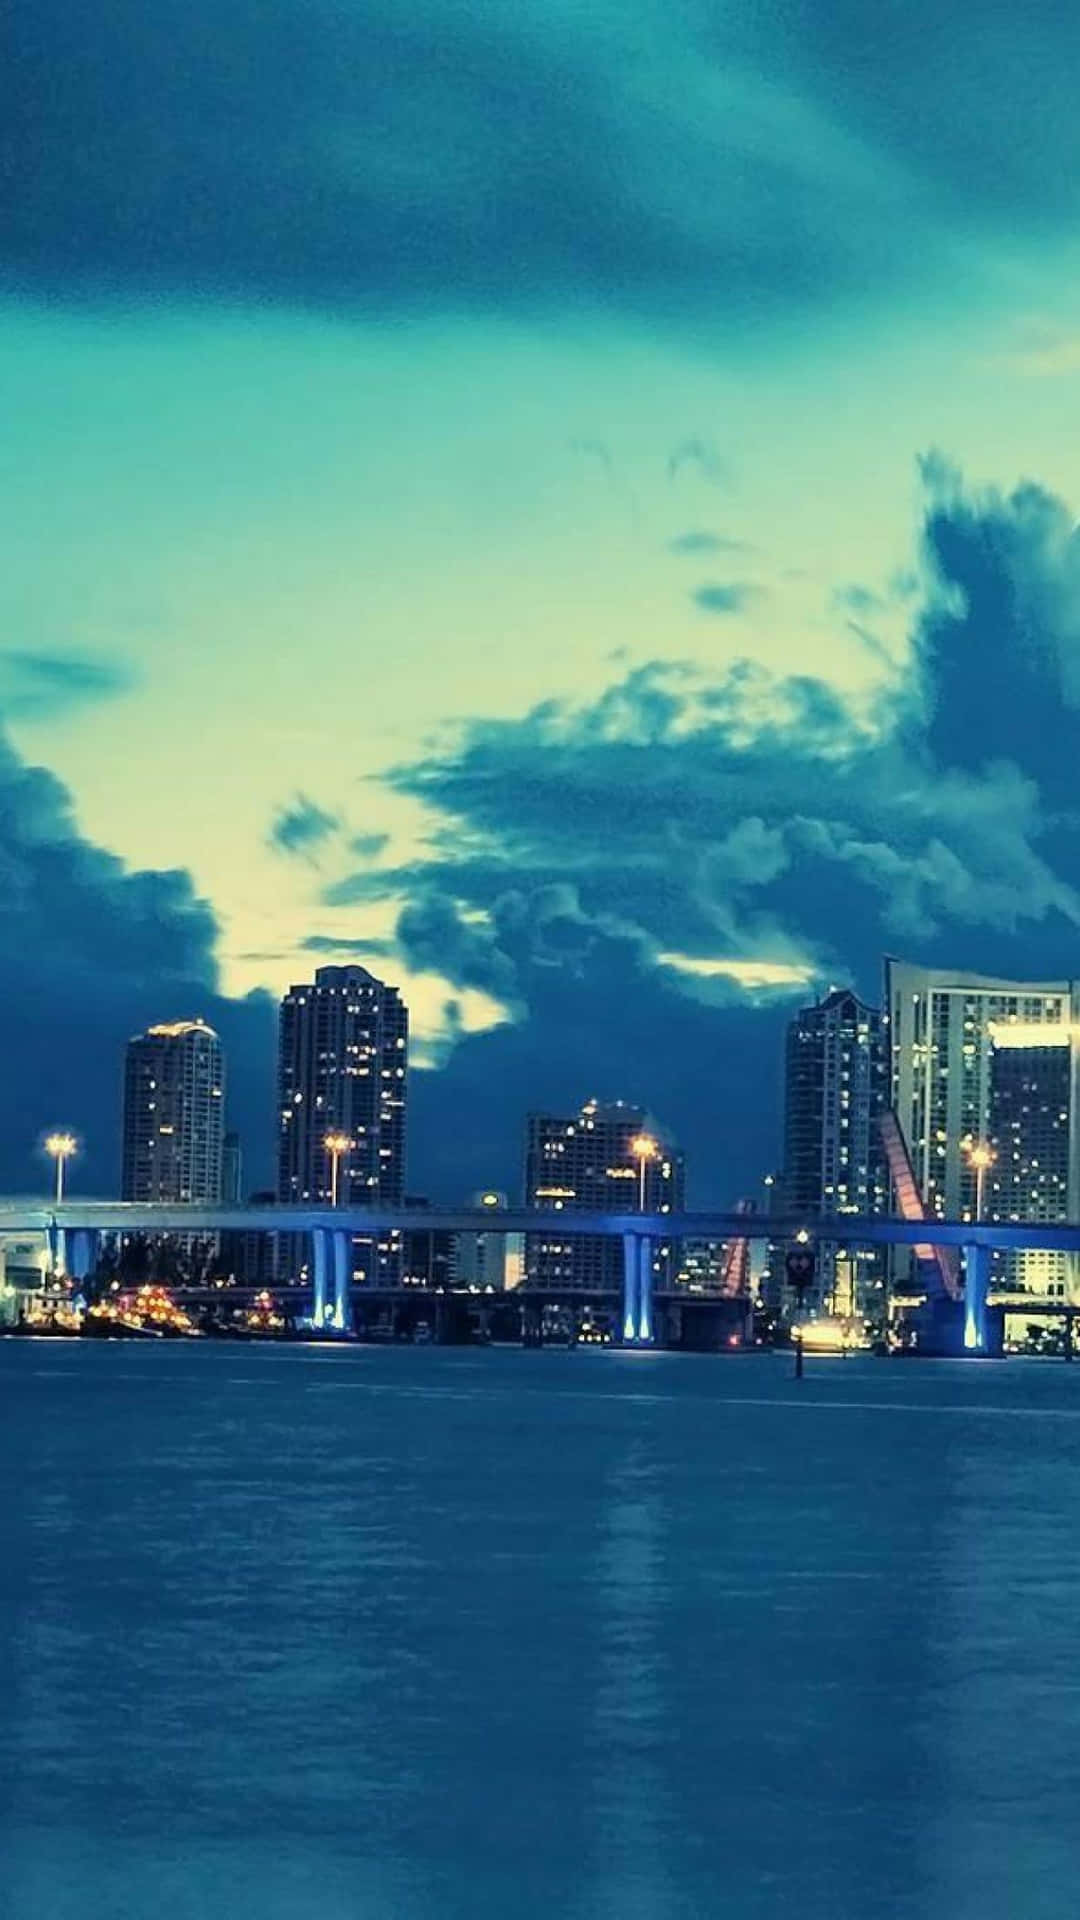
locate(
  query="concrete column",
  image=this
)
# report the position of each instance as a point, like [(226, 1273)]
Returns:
[(631, 1280), (57, 1242), (976, 1289), (318, 1276), (645, 1291), (342, 1281)]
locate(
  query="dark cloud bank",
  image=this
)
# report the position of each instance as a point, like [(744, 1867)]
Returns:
[(576, 847), (677, 159)]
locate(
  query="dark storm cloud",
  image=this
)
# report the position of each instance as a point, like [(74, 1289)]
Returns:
[(89, 953), (694, 162), (748, 817), (725, 597), (301, 827), (36, 686)]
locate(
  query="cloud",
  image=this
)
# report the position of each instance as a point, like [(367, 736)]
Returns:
[(701, 456), (369, 845), (666, 159), (701, 542), (732, 597), (38, 686), (90, 952), (301, 827), (329, 944)]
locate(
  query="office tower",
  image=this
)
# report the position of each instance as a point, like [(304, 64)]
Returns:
[(940, 1045), (490, 1259), (605, 1159), (342, 1078), (232, 1170), (833, 1158), (174, 1097), (1033, 1137)]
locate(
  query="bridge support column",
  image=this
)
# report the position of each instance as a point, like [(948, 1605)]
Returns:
[(645, 1292), (56, 1240), (976, 1289), (631, 1283), (318, 1276), (342, 1282)]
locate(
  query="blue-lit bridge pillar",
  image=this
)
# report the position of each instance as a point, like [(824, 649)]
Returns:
[(637, 1315), (342, 1281), (631, 1271), (318, 1276), (976, 1289), (645, 1292)]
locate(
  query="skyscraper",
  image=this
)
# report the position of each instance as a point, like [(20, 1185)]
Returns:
[(833, 1159), (941, 1027), (343, 1058), (174, 1098), (1033, 1137), (605, 1159)]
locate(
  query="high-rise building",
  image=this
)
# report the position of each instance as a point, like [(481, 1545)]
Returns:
[(605, 1159), (834, 1085), (941, 1027), (343, 1058), (1033, 1138), (174, 1098)]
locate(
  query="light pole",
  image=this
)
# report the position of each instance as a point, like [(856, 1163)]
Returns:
[(60, 1147), (336, 1144), (980, 1156), (644, 1148)]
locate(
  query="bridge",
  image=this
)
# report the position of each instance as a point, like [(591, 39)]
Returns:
[(73, 1230)]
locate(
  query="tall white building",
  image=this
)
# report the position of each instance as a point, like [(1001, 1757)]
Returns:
[(941, 1028), (174, 1101)]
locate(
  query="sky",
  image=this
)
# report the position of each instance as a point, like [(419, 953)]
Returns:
[(571, 506)]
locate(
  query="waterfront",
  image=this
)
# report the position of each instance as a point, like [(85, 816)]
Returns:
[(316, 1633)]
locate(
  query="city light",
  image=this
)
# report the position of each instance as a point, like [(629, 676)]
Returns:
[(980, 1156), (644, 1148), (336, 1145), (60, 1147)]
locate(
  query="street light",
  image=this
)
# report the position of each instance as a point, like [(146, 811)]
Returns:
[(980, 1156), (60, 1147), (336, 1144), (644, 1148)]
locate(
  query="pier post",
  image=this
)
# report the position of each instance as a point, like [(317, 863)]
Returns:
[(343, 1282), (631, 1282), (976, 1289), (318, 1276), (645, 1291)]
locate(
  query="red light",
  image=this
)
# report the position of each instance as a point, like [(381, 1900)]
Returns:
[(733, 1340)]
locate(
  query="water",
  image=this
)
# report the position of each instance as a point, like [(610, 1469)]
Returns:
[(315, 1635)]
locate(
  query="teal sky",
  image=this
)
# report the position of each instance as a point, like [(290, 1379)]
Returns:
[(348, 425)]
